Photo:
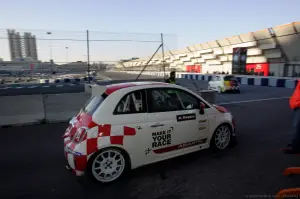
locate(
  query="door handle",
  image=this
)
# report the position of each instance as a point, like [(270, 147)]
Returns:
[(156, 125), (138, 127)]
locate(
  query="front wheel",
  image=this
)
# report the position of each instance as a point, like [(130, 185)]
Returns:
[(107, 165), (221, 138)]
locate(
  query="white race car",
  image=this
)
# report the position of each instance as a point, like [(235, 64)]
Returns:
[(129, 125), (223, 83)]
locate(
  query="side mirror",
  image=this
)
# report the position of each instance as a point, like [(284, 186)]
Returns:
[(202, 107)]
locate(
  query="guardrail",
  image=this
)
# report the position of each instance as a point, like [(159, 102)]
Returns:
[(283, 82)]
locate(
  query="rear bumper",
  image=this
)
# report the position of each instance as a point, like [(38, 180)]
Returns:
[(231, 88), (75, 161)]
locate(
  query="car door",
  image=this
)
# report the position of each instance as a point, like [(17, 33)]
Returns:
[(131, 114), (176, 125)]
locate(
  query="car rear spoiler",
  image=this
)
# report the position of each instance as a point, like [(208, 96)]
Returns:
[(94, 89)]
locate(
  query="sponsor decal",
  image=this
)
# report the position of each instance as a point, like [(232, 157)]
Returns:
[(186, 117), (147, 151), (202, 121), (180, 146), (74, 152), (162, 138)]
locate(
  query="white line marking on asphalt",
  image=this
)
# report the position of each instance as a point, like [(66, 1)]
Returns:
[(59, 85), (46, 86), (32, 86), (5, 88), (257, 100), (19, 87)]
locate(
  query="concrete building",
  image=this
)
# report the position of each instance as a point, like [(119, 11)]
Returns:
[(14, 42), (22, 47), (274, 49), (29, 46)]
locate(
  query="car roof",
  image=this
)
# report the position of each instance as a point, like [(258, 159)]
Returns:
[(115, 87)]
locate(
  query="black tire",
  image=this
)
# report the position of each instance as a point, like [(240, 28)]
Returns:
[(238, 91), (89, 169), (213, 144)]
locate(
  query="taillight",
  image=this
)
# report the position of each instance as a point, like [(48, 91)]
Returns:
[(80, 134), (221, 109)]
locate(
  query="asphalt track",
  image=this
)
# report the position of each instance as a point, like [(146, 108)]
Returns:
[(32, 163)]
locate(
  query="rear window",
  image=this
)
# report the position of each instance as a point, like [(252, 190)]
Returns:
[(230, 78), (93, 103)]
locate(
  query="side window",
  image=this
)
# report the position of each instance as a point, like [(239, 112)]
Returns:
[(163, 100), (188, 101), (133, 102), (218, 78)]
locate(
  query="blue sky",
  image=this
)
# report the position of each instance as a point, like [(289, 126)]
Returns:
[(182, 22)]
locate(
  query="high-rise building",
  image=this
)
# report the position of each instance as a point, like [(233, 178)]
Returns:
[(14, 41), (29, 46), (22, 47)]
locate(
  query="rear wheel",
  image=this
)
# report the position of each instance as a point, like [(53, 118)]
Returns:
[(108, 165), (221, 138)]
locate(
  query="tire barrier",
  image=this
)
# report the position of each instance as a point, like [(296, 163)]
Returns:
[(281, 82), (67, 80)]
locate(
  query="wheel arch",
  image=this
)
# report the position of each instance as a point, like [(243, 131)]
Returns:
[(221, 124), (224, 123), (123, 151)]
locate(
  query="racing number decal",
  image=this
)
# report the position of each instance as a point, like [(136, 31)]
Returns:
[(162, 138)]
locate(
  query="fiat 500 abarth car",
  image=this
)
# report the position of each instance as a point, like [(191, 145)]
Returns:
[(129, 125), (224, 83)]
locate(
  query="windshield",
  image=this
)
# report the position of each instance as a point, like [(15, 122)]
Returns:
[(93, 103), (230, 78)]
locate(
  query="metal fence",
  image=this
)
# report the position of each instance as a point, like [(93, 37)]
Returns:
[(42, 51)]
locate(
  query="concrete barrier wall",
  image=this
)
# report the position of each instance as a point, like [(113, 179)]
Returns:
[(21, 109), (31, 109), (283, 82), (61, 107), (50, 108)]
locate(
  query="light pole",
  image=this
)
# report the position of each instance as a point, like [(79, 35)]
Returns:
[(50, 47), (67, 51)]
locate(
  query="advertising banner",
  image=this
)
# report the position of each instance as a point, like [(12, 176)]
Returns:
[(261, 69)]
